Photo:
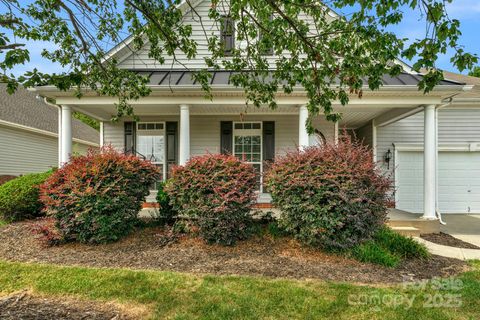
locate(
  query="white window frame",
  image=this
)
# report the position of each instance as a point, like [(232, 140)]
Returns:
[(251, 132), (164, 133)]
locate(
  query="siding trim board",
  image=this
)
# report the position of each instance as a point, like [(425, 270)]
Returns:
[(42, 132)]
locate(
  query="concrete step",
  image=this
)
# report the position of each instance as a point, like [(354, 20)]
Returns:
[(407, 231), (425, 226)]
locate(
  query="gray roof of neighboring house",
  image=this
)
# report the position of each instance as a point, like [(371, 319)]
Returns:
[(222, 78), (24, 108), (474, 93)]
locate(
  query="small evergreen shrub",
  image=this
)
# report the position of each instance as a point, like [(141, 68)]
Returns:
[(372, 252), (19, 198), (331, 196), (96, 198), (401, 246), (166, 212), (217, 192), (389, 248)]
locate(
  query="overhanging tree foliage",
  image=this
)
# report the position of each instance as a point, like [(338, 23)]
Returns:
[(330, 57)]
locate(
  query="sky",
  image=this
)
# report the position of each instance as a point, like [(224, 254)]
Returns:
[(467, 11)]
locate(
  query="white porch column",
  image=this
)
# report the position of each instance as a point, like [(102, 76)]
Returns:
[(303, 140), (66, 133), (429, 163), (184, 148), (60, 154)]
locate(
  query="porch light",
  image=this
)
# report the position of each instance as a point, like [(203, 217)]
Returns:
[(387, 158)]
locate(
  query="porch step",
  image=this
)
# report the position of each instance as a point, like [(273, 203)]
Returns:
[(407, 231), (425, 226)]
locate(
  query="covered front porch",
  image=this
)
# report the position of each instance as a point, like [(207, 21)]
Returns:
[(176, 123)]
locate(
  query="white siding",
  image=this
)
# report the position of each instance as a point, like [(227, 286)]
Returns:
[(141, 60), (365, 134), (454, 126), (24, 152), (205, 131)]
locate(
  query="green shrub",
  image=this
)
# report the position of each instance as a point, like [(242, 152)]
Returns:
[(19, 198), (372, 252), (331, 196), (388, 248), (96, 198), (166, 212), (401, 246), (217, 192)]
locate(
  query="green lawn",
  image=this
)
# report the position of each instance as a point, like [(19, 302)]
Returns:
[(185, 296)]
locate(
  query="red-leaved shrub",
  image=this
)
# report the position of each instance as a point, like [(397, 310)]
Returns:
[(95, 198), (46, 232), (217, 192), (331, 196)]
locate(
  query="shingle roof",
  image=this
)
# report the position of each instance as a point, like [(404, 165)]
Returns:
[(24, 108), (474, 93), (222, 78)]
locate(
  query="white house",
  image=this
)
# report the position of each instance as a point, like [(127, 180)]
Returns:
[(458, 173), (176, 122), (29, 134)]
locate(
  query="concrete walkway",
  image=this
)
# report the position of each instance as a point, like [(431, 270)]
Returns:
[(450, 252)]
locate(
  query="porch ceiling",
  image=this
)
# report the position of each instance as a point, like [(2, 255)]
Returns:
[(353, 116)]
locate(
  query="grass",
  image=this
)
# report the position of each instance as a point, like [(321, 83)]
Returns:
[(183, 296), (2, 222), (388, 248)]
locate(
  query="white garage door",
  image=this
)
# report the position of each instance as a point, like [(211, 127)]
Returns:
[(458, 181)]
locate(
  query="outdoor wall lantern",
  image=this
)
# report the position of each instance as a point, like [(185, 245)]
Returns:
[(387, 158)]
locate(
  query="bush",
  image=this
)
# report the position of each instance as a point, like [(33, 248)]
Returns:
[(372, 252), (401, 246), (331, 196), (19, 198), (388, 248), (217, 192), (166, 212), (96, 198)]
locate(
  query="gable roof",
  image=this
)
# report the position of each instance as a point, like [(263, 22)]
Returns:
[(25, 109), (123, 49)]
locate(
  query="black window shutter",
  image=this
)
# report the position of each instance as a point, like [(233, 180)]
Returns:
[(130, 135), (227, 35), (226, 137), (268, 140), (171, 145)]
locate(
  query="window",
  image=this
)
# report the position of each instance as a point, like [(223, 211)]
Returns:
[(247, 144), (227, 34), (151, 143)]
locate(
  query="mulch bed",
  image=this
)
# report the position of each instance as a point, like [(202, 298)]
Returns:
[(448, 240), (25, 306), (153, 248)]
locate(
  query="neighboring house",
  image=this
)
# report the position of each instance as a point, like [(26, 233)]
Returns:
[(177, 122), (458, 156), (29, 134)]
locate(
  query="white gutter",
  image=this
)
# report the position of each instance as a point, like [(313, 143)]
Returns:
[(43, 132)]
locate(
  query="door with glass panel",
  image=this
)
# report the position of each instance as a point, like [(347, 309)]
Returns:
[(151, 143), (247, 144)]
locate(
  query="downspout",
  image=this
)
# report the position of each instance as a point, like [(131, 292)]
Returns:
[(45, 100), (437, 209)]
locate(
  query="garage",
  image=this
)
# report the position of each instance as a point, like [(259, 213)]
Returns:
[(458, 181)]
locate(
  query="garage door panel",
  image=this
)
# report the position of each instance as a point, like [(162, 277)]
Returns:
[(458, 181)]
